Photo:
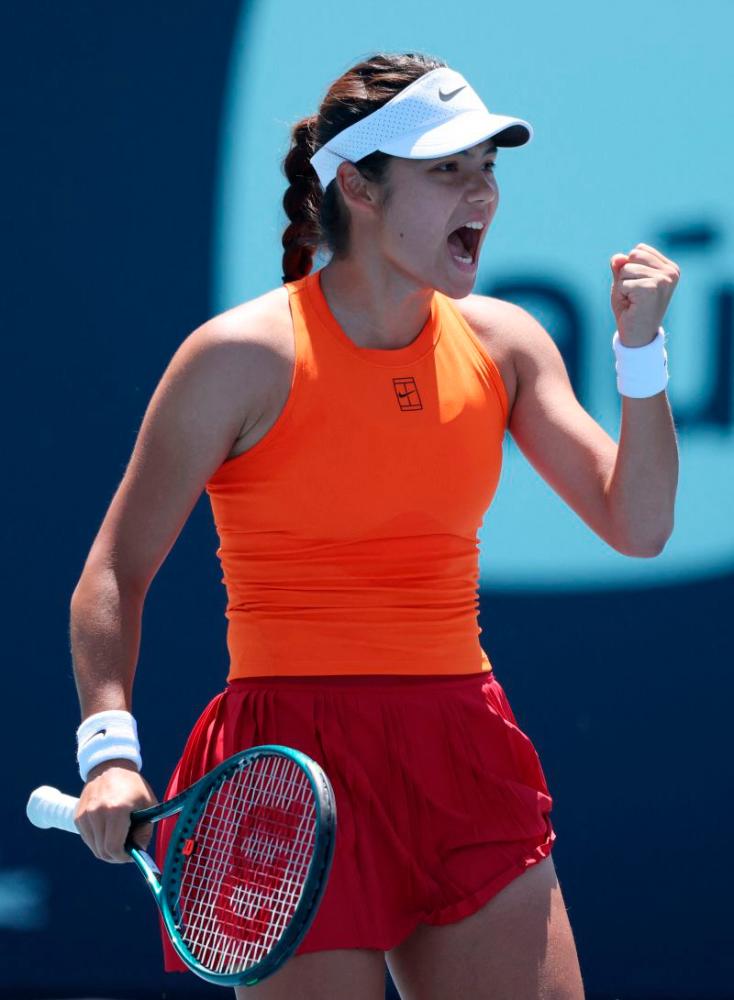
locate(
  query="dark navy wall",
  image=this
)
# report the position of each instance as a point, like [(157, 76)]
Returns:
[(109, 144), (111, 117)]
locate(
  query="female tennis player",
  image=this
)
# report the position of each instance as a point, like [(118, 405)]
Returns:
[(348, 429)]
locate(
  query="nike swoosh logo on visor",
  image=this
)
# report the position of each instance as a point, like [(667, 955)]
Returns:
[(447, 97)]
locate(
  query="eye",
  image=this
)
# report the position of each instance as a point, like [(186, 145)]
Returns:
[(452, 166)]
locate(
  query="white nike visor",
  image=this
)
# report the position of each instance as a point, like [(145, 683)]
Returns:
[(436, 115)]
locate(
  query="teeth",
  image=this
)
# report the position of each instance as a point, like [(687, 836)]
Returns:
[(463, 260), (474, 225)]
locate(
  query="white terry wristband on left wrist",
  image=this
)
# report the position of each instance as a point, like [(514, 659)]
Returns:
[(109, 735), (641, 371)]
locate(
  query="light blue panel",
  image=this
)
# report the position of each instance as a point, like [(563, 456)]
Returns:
[(633, 138)]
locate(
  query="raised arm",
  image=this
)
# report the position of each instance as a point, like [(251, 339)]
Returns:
[(625, 490)]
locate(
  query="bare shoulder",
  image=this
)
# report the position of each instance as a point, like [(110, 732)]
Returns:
[(513, 338), (256, 332), (246, 354), (217, 382)]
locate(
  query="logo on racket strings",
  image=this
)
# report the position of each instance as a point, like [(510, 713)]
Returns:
[(262, 876)]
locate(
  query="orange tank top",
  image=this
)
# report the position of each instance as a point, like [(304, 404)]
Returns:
[(348, 533)]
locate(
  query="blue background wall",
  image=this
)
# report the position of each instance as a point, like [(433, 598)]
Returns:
[(122, 143)]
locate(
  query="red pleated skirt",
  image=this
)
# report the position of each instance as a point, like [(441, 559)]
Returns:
[(441, 798)]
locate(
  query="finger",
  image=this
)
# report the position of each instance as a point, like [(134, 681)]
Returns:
[(103, 832), (647, 246), (629, 284), (652, 256), (116, 831), (90, 835), (638, 271), (646, 256)]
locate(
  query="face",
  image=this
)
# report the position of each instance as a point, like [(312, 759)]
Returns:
[(429, 200)]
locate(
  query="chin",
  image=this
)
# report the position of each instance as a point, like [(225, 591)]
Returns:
[(467, 290), (455, 285), (458, 287)]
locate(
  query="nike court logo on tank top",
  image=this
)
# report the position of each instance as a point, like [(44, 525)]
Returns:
[(348, 533)]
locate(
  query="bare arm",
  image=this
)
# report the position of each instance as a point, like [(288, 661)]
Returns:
[(201, 404), (641, 489), (625, 492), (188, 429)]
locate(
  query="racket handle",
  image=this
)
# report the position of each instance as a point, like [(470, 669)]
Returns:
[(48, 807)]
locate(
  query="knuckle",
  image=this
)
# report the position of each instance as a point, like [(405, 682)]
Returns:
[(108, 807), (93, 818)]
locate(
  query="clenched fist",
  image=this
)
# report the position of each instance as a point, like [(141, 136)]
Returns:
[(643, 285), (113, 790)]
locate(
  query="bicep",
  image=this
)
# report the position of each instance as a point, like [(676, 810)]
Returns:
[(565, 445), (193, 417)]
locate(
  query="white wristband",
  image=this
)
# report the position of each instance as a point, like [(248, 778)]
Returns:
[(105, 736), (641, 371)]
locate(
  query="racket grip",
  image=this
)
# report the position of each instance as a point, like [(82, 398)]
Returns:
[(48, 807)]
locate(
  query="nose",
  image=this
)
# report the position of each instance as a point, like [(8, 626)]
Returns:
[(483, 189)]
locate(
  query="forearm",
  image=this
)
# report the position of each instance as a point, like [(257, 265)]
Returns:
[(105, 627), (640, 491)]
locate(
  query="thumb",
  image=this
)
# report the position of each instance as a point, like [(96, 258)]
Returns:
[(617, 260)]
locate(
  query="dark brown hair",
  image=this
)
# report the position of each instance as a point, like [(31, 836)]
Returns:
[(320, 218)]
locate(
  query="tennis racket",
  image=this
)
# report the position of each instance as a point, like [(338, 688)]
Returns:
[(246, 865)]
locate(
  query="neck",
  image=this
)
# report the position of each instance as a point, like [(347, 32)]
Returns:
[(376, 307)]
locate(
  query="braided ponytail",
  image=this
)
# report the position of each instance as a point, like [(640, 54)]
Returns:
[(301, 202)]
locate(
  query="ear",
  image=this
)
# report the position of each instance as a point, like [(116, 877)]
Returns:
[(358, 193)]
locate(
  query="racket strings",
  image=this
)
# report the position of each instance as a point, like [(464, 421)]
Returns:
[(234, 905), (241, 906), (239, 901), (246, 864)]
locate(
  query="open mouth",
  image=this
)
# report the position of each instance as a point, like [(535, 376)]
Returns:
[(464, 244)]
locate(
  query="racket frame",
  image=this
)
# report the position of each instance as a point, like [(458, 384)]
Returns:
[(189, 803)]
